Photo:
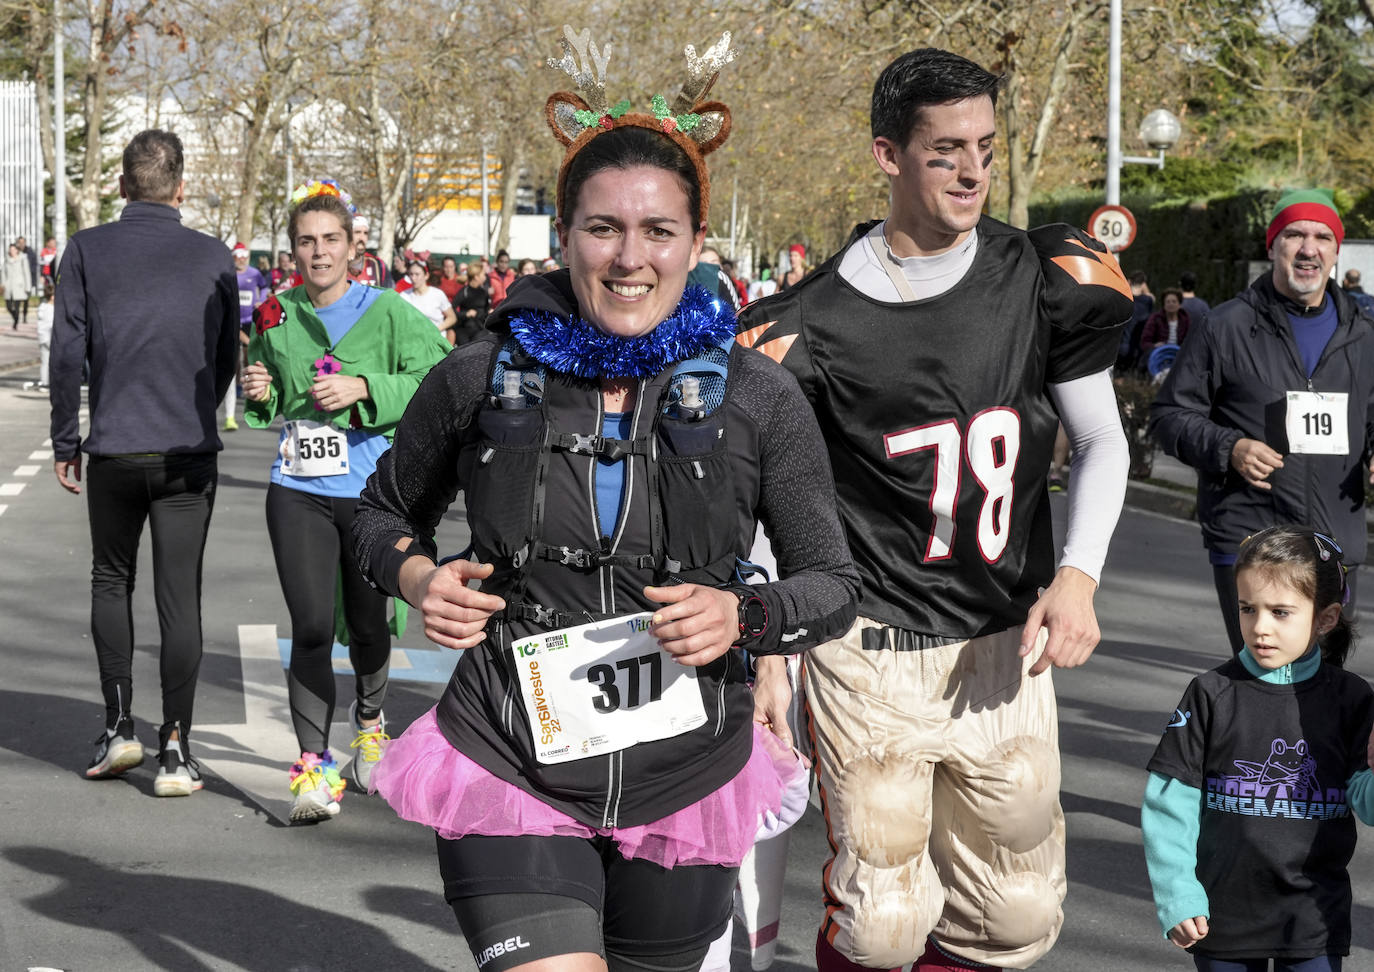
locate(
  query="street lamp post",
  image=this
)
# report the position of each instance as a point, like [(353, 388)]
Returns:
[(59, 135), (1160, 130)]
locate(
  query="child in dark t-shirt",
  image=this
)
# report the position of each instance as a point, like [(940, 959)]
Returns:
[(1247, 813)]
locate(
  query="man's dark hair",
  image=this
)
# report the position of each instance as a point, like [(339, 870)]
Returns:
[(1187, 280), (153, 164), (1138, 278), (928, 76)]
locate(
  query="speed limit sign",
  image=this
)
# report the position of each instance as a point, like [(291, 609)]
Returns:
[(1114, 226)]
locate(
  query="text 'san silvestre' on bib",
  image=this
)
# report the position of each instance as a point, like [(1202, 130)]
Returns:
[(602, 687)]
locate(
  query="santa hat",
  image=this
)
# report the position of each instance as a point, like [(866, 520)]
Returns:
[(240, 248), (1314, 204)]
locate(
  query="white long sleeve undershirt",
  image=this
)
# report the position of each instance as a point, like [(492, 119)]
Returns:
[(1087, 406)]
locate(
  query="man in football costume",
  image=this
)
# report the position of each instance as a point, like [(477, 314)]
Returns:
[(940, 348)]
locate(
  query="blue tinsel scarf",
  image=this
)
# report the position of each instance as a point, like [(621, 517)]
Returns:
[(574, 347)]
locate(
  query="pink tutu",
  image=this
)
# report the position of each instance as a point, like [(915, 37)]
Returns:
[(426, 780)]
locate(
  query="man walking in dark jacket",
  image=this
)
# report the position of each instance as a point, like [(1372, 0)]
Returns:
[(1273, 401), (153, 306)]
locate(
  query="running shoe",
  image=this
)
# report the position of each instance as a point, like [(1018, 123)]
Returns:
[(178, 774), (117, 750), (369, 743), (1056, 483), (316, 787), (230, 425)]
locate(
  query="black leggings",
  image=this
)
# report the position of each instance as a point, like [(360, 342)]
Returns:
[(176, 494), (1224, 580), (17, 307), (312, 542)]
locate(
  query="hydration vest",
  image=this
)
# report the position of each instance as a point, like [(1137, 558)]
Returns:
[(530, 475)]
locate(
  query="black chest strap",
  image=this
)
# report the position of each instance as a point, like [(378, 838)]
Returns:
[(612, 450)]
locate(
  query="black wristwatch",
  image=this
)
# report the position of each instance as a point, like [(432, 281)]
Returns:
[(753, 619)]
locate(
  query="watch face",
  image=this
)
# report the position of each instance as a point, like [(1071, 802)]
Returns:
[(754, 615)]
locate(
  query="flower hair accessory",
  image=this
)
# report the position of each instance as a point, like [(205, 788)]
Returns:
[(322, 187), (697, 127)]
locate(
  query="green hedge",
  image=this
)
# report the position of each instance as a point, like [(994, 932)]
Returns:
[(1214, 238)]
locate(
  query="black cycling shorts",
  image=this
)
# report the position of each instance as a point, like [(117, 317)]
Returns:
[(518, 899)]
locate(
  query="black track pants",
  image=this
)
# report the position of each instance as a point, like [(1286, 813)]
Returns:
[(175, 494)]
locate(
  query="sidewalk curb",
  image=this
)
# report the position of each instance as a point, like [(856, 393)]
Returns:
[(1178, 503), (1181, 504)]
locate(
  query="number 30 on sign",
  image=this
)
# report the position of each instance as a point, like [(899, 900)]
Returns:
[(1114, 227)]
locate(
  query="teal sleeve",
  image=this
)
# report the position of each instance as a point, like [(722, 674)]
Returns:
[(1170, 819), (1359, 792)]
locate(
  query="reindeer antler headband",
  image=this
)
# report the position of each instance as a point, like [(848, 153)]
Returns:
[(697, 127)]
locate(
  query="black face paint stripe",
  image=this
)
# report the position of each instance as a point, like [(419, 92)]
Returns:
[(940, 164), (987, 161)]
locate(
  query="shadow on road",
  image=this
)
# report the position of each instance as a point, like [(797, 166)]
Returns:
[(24, 717), (239, 924)]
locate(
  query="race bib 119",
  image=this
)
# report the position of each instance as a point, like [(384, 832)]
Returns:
[(1316, 423)]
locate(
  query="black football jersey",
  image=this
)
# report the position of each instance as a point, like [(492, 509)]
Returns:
[(937, 420)]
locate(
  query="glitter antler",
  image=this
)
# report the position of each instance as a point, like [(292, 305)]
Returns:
[(585, 65), (701, 73)]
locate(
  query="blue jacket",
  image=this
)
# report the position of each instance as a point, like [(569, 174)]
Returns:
[(154, 308)]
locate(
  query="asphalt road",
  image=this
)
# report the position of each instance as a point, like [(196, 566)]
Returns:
[(103, 876)]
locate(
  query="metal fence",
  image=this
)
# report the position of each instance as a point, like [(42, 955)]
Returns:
[(21, 164)]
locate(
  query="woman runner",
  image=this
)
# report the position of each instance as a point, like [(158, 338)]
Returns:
[(339, 361), (592, 771)]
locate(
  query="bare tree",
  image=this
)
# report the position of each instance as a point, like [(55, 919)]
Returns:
[(108, 33), (408, 133), (254, 61)]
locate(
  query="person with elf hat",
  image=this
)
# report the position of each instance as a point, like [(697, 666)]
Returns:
[(339, 361), (1272, 401), (363, 266), (796, 267), (597, 767)]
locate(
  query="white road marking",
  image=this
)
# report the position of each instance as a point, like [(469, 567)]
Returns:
[(254, 756), (41, 454), (11, 489), (3, 508), (27, 470)]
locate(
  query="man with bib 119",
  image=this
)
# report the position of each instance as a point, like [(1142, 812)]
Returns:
[(1273, 401)]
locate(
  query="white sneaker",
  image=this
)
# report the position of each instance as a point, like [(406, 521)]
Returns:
[(370, 743), (178, 774)]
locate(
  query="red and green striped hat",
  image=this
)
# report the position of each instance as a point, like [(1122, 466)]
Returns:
[(1315, 204)]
